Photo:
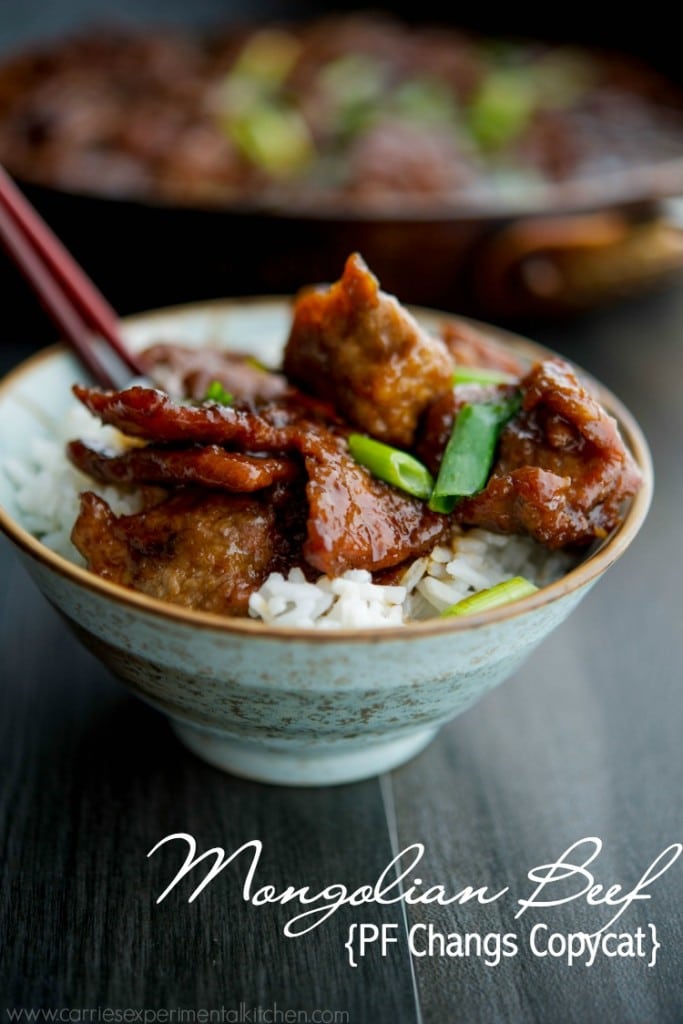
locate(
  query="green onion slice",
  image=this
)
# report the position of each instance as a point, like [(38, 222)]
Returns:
[(217, 393), (494, 597), (467, 461), (444, 503), (481, 375), (267, 57), (503, 107), (272, 136), (392, 465)]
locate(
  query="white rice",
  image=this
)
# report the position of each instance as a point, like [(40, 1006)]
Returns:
[(474, 560), (47, 485), (47, 497)]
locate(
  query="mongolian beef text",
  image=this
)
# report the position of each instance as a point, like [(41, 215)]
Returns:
[(375, 442)]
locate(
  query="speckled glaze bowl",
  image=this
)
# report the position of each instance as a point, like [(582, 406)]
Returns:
[(282, 705)]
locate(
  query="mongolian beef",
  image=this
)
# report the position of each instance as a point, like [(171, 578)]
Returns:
[(377, 443), (354, 111)]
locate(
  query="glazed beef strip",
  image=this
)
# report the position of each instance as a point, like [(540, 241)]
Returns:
[(202, 549), (209, 465), (562, 470), (356, 521), (361, 350), (150, 414)]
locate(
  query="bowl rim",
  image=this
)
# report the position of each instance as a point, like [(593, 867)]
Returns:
[(587, 571)]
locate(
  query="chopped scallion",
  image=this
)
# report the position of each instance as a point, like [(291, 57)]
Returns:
[(503, 106), (467, 461), (272, 136), (493, 597), (481, 375), (392, 465), (427, 101), (353, 86), (268, 57), (217, 393), (444, 503)]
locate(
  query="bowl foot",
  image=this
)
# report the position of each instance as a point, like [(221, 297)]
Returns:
[(291, 763)]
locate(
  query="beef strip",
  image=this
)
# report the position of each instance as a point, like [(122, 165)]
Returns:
[(205, 550), (209, 465), (152, 415), (356, 521), (195, 369), (562, 470), (358, 348)]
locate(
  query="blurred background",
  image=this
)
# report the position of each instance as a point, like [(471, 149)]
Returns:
[(553, 255)]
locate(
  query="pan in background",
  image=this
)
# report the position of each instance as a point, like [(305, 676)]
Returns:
[(570, 245)]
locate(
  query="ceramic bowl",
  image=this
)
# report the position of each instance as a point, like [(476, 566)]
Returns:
[(284, 705)]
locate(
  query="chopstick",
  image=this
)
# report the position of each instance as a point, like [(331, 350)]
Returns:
[(76, 306)]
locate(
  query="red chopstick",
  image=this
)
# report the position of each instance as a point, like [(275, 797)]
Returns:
[(77, 307)]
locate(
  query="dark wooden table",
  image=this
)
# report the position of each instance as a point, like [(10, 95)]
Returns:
[(584, 741)]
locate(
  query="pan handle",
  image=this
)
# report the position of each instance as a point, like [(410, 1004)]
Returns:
[(566, 263)]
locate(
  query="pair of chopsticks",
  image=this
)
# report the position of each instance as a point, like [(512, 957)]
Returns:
[(81, 313)]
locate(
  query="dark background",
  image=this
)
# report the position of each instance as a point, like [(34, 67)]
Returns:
[(643, 30)]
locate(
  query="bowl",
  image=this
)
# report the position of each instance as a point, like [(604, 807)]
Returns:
[(279, 704)]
